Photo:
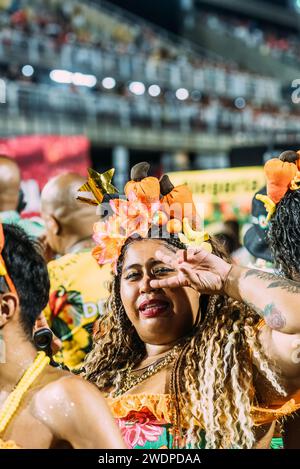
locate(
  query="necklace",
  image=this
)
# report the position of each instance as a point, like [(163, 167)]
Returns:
[(137, 370), (131, 381), (14, 399)]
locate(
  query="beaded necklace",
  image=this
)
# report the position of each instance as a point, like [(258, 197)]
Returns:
[(14, 399), (131, 380)]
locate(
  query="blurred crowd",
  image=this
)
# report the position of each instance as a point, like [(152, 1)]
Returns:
[(269, 40), (221, 96)]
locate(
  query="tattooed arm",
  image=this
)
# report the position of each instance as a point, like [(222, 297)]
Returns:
[(274, 298)]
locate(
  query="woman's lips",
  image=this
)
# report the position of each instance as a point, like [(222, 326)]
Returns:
[(153, 308)]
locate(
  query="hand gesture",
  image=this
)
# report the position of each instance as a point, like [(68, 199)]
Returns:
[(196, 268)]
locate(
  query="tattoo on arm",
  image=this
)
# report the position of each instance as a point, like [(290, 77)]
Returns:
[(260, 274), (276, 281), (271, 314), (285, 284)]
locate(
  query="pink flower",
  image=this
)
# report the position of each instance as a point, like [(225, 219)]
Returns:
[(139, 427), (130, 217), (135, 215)]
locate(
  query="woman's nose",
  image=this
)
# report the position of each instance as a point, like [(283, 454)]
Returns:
[(145, 286)]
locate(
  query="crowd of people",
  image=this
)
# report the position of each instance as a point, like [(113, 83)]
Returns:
[(64, 37), (121, 48), (177, 344), (200, 112), (268, 40)]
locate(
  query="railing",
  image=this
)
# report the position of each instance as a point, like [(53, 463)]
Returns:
[(40, 51), (203, 75), (82, 105)]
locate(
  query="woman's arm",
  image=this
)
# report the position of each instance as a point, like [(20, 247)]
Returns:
[(275, 299)]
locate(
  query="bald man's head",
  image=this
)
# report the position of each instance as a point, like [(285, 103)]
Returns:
[(67, 219), (10, 180)]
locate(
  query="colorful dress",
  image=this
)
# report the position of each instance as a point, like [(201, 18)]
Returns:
[(145, 420)]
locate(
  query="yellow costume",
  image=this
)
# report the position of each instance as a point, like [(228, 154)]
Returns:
[(78, 290)]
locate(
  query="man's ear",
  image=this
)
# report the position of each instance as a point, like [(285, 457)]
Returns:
[(53, 225), (9, 304)]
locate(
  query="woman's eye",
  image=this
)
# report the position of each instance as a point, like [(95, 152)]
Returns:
[(163, 271), (132, 276)]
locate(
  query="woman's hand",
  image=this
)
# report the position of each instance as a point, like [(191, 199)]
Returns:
[(196, 268)]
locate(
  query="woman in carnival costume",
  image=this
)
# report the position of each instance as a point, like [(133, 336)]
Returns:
[(192, 352)]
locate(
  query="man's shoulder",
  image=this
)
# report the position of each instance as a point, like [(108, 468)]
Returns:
[(59, 387), (59, 402)]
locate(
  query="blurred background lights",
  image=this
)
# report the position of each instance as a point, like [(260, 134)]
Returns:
[(80, 79), (154, 90), (240, 102), (297, 5), (61, 76), (108, 83), (137, 87), (2, 91), (182, 94), (27, 70)]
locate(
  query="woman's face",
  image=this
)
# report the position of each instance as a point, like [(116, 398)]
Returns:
[(160, 316)]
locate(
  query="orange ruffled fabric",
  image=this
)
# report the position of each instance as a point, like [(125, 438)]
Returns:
[(160, 406), (276, 410)]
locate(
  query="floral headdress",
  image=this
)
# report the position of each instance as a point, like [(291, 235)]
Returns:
[(282, 174), (149, 204)]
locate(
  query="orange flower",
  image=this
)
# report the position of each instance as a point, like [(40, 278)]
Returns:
[(279, 175), (135, 215), (110, 239), (108, 251), (131, 217)]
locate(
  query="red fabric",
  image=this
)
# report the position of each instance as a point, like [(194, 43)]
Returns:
[(41, 157)]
